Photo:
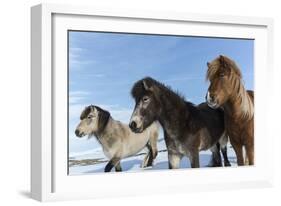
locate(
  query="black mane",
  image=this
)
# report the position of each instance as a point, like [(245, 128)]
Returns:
[(138, 89), (188, 112)]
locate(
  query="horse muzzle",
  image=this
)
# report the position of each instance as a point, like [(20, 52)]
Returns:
[(78, 133), (211, 101), (134, 127), (213, 105)]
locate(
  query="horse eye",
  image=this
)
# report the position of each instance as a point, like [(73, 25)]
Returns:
[(90, 116), (145, 99), (222, 75)]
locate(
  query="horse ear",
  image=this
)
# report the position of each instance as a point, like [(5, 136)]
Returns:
[(93, 108), (145, 85), (149, 86), (221, 58), (223, 61)]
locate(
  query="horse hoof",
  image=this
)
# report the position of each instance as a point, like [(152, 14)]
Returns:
[(145, 166), (227, 164), (214, 165)]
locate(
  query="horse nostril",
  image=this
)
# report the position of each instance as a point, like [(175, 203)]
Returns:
[(133, 125), (77, 132)]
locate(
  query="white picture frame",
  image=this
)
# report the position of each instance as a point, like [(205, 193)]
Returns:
[(49, 179)]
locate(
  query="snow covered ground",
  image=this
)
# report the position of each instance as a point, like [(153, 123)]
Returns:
[(94, 161)]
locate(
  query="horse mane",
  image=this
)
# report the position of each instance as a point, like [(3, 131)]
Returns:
[(139, 91), (223, 64), (189, 111)]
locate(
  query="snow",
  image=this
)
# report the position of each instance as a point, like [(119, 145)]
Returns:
[(97, 161)]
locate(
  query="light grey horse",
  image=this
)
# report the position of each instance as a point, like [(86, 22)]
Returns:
[(116, 138)]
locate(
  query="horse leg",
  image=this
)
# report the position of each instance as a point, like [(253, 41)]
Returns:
[(239, 153), (118, 167), (174, 160), (152, 150), (112, 163), (223, 147), (194, 159), (145, 160), (153, 143), (250, 153), (246, 159), (216, 157), (148, 159), (225, 157)]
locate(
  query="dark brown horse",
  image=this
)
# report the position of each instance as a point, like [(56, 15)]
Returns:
[(188, 129), (227, 91)]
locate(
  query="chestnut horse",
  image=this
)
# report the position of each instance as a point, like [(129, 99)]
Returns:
[(227, 91)]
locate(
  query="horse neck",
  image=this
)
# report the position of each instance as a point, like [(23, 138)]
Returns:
[(101, 136), (173, 112), (240, 105)]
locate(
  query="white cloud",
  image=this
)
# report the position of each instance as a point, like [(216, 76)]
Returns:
[(122, 114), (75, 111), (75, 60), (76, 49), (77, 96), (75, 52)]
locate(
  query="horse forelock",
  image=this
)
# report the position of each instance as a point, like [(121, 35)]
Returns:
[(85, 112), (220, 64), (138, 90), (213, 69)]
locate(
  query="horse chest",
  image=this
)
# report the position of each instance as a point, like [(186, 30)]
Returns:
[(236, 129), (110, 144)]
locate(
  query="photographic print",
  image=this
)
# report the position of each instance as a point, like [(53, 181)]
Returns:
[(142, 102)]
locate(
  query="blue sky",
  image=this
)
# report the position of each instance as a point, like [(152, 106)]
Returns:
[(104, 66)]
